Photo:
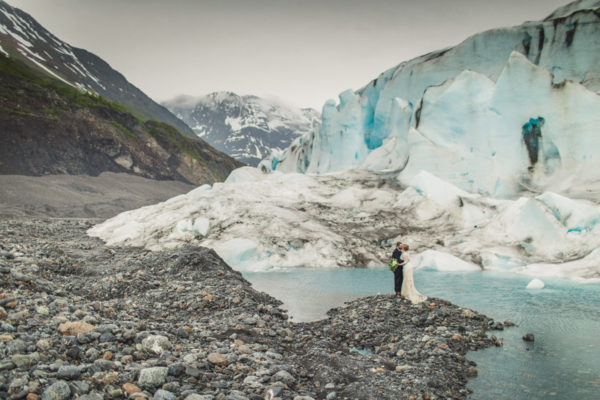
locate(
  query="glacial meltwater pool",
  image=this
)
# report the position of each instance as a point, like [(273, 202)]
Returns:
[(563, 362)]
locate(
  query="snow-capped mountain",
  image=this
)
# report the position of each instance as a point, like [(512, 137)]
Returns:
[(25, 40), (54, 122), (505, 110), (50, 128), (247, 128)]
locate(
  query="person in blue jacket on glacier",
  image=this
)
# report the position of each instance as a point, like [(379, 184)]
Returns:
[(398, 273)]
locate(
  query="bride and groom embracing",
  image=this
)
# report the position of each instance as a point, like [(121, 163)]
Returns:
[(404, 284)]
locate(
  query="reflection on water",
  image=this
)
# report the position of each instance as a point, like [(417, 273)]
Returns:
[(562, 363)]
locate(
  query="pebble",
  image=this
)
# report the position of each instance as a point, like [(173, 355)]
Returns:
[(70, 372), (91, 396), (155, 343), (59, 390), (75, 328), (283, 376), (161, 394), (153, 377), (42, 310), (21, 360), (80, 387), (130, 388), (195, 396), (82, 320), (218, 359), (528, 337)]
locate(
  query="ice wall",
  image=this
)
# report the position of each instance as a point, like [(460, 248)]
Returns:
[(506, 109), (497, 138)]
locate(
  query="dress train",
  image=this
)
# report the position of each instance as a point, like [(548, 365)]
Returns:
[(409, 290)]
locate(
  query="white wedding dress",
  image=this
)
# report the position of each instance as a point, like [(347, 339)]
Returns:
[(409, 291)]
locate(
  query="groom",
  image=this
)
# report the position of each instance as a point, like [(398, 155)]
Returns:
[(398, 273)]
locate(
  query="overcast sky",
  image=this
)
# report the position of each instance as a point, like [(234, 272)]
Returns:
[(303, 51)]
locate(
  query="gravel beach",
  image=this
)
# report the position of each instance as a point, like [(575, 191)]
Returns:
[(82, 320)]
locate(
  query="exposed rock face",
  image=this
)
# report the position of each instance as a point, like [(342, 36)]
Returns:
[(247, 128), (50, 128), (25, 39)]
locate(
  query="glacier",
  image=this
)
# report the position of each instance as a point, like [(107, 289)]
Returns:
[(481, 157), (257, 221), (506, 110), (499, 138)]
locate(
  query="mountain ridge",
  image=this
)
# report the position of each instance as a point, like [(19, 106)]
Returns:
[(56, 119), (52, 128), (23, 38), (247, 127)]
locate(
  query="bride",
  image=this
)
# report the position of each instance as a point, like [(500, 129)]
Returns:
[(409, 291)]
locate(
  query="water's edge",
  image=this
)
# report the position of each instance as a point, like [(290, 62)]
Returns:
[(561, 363)]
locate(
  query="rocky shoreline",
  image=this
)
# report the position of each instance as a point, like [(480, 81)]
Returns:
[(81, 320)]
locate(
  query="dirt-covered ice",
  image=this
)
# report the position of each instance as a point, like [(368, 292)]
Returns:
[(257, 221)]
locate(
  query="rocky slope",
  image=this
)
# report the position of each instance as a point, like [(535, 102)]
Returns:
[(247, 128), (52, 128), (23, 38), (81, 320)]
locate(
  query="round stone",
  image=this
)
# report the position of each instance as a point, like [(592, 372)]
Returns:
[(153, 377), (75, 328), (217, 359), (57, 391), (155, 343), (130, 388), (21, 360), (161, 394), (528, 337), (70, 372), (195, 396), (283, 376)]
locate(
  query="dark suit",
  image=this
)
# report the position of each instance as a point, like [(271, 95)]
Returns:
[(399, 272)]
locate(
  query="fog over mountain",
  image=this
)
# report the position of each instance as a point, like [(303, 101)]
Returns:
[(248, 128)]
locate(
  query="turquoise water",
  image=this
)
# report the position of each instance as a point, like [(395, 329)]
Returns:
[(562, 363)]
